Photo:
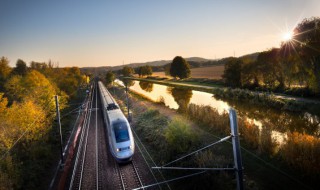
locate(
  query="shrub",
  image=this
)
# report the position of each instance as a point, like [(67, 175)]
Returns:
[(179, 136)]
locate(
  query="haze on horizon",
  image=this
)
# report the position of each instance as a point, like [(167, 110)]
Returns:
[(109, 33)]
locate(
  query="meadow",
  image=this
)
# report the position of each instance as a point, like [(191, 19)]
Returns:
[(214, 72)]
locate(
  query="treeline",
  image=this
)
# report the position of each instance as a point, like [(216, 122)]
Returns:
[(27, 111), (195, 64), (292, 68)]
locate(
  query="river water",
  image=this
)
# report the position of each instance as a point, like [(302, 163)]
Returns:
[(291, 136), (278, 122)]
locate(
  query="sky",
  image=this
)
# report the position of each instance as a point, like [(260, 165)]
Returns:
[(108, 33)]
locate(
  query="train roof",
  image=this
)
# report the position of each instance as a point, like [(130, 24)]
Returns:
[(108, 98), (116, 115)]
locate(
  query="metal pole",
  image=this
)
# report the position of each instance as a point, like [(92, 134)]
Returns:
[(58, 119), (236, 148), (129, 118)]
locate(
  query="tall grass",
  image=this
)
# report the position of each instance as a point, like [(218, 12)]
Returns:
[(209, 117), (299, 151), (302, 151)]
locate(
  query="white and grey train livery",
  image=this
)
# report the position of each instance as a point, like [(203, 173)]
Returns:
[(119, 133)]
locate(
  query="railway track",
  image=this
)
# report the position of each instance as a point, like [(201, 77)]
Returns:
[(86, 166), (94, 166), (129, 176)]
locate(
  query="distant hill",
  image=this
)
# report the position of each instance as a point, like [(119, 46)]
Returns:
[(194, 62), (252, 56), (197, 59), (95, 70)]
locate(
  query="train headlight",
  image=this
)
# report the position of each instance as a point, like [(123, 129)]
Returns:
[(131, 148), (118, 149)]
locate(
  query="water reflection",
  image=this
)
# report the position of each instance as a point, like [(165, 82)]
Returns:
[(279, 120), (146, 86), (275, 120), (175, 100), (128, 82), (181, 96), (266, 130)]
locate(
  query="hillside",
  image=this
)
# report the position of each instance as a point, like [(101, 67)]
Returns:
[(195, 62)]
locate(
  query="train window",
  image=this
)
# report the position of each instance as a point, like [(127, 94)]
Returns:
[(121, 132), (112, 107)]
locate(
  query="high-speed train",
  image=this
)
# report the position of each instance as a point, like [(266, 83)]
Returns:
[(119, 132)]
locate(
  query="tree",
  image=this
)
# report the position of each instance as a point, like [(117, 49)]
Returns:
[(180, 68), (144, 70), (147, 70), (272, 69), (109, 77), (307, 43), (232, 72), (250, 75), (5, 70), (127, 71), (33, 86), (21, 68)]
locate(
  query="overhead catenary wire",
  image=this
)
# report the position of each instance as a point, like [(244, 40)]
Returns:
[(136, 136), (267, 163), (25, 132), (170, 180), (217, 142), (263, 161)]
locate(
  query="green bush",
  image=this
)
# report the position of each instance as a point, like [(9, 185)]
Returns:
[(179, 136)]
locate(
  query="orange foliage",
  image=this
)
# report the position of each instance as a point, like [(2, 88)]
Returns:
[(302, 151)]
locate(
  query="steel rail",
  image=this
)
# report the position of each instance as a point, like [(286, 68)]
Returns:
[(83, 131), (80, 144), (136, 172), (97, 158), (86, 144), (121, 178)]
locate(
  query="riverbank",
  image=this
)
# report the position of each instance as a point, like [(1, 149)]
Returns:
[(278, 101), (258, 169), (209, 85)]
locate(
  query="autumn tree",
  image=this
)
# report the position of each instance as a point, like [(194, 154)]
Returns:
[(232, 72), (180, 68), (33, 86), (109, 77), (5, 70)]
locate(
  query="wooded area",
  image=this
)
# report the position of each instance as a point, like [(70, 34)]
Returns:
[(28, 142), (296, 64)]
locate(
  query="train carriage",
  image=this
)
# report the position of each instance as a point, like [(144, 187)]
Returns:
[(119, 132)]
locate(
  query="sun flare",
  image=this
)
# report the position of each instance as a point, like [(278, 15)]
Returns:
[(287, 36)]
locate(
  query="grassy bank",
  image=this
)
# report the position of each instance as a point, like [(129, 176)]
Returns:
[(265, 168), (266, 99), (283, 102), (169, 137)]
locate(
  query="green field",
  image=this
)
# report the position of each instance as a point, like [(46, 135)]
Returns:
[(214, 72)]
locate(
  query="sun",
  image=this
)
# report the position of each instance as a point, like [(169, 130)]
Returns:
[(287, 36)]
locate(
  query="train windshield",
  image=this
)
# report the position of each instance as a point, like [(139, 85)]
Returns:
[(121, 132)]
